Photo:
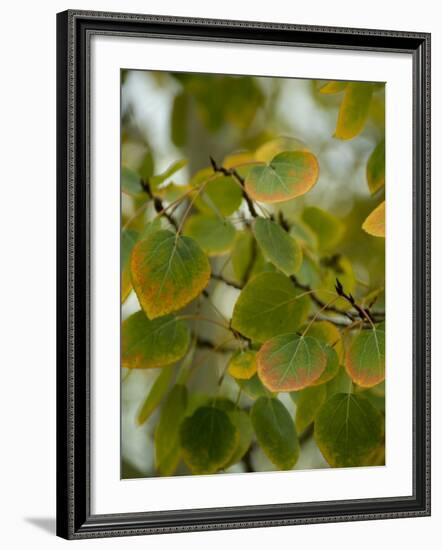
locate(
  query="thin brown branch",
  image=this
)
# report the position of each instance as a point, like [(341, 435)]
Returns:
[(157, 203), (232, 172)]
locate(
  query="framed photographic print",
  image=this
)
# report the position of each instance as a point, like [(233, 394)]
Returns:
[(243, 274)]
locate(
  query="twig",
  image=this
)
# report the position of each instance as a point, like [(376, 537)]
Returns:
[(218, 277), (364, 313), (232, 172), (157, 203)]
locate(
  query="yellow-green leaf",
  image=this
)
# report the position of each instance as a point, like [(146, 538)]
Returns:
[(155, 395), (178, 124), (147, 344), (214, 235), (208, 440), (308, 403), (290, 362), (275, 432), (289, 175), (354, 110), (365, 360), (376, 168), (278, 246), (333, 87), (221, 196), (242, 254), (168, 272), (349, 431), (166, 439), (269, 305), (375, 222), (128, 239), (130, 182), (157, 180), (243, 424), (253, 387), (242, 365), (328, 228)]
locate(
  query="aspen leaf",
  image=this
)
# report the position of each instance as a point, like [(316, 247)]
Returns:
[(149, 344), (375, 222), (242, 365), (156, 393), (167, 446), (290, 362), (365, 360), (221, 195), (128, 239), (130, 182), (278, 246), (333, 87), (214, 235), (271, 148), (168, 272), (208, 440), (348, 431), (289, 175), (268, 305), (354, 110), (328, 228), (308, 403), (275, 432), (376, 168)]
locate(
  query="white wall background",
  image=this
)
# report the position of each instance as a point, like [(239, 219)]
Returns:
[(27, 217)]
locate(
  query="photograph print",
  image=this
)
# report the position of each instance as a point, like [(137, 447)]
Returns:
[(252, 274)]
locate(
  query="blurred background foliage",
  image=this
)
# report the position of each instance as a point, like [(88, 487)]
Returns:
[(168, 117)]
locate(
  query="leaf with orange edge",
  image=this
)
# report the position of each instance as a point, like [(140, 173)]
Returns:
[(365, 360), (147, 344), (168, 272), (375, 221), (289, 175), (354, 109), (290, 362)]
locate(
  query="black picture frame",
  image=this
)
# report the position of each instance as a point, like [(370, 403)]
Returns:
[(74, 518)]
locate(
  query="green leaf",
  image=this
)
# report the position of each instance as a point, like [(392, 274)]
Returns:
[(146, 167), (128, 239), (243, 424), (376, 168), (168, 272), (304, 234), (208, 440), (221, 196), (327, 332), (214, 235), (275, 432), (327, 227), (375, 222), (179, 117), (242, 365), (290, 362), (271, 148), (166, 439), (269, 305), (157, 180), (348, 430), (354, 110), (278, 246), (329, 337), (365, 360), (242, 255), (149, 344), (289, 175), (155, 395), (130, 182), (253, 387), (308, 402)]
